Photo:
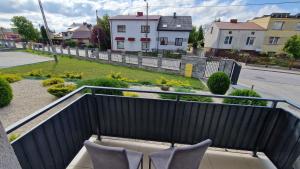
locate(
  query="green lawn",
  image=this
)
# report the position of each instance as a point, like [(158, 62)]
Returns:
[(92, 70)]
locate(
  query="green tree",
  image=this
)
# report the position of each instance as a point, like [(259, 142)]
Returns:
[(200, 38), (44, 34), (25, 28), (292, 48), (103, 24), (193, 37)]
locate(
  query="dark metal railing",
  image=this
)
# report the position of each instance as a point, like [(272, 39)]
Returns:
[(54, 143)]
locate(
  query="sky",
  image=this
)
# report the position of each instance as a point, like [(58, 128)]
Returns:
[(62, 13)]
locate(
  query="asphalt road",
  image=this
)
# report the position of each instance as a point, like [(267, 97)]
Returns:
[(10, 59), (272, 84)]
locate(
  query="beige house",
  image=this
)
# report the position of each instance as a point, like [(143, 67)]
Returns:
[(279, 28)]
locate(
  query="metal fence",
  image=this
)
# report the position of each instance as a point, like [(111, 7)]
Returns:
[(55, 142)]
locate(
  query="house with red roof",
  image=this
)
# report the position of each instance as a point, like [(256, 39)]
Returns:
[(234, 35)]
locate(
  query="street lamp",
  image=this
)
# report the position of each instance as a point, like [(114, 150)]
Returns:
[(147, 25)]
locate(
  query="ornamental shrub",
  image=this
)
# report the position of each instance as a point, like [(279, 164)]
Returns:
[(11, 78), (60, 90), (130, 94), (186, 97), (72, 75), (6, 94), (218, 83), (172, 82), (105, 82), (247, 93), (52, 81)]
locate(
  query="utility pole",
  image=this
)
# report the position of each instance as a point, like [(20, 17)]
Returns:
[(147, 24), (47, 31), (98, 33)]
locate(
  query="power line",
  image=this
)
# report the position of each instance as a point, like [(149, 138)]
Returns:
[(222, 6)]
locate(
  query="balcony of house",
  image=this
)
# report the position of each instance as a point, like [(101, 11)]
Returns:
[(243, 136)]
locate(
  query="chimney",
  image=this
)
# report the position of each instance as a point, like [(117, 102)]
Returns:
[(139, 14), (233, 20), (174, 14)]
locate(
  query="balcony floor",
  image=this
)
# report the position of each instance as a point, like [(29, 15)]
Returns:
[(214, 158)]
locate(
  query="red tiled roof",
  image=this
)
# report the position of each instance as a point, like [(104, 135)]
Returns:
[(135, 17), (239, 25)]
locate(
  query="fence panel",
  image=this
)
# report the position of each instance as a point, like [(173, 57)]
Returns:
[(172, 64), (150, 61), (116, 57), (103, 55), (131, 60)]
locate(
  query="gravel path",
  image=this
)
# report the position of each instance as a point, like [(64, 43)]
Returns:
[(29, 96)]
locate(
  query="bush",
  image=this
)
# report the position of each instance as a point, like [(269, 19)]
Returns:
[(11, 78), (218, 83), (60, 90), (36, 73), (172, 83), (105, 82), (52, 81), (70, 43), (6, 94), (247, 93), (118, 76), (13, 137), (186, 97), (71, 75), (130, 94)]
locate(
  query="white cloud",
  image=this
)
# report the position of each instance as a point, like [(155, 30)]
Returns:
[(60, 13)]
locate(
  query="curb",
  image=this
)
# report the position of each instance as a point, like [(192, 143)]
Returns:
[(278, 71)]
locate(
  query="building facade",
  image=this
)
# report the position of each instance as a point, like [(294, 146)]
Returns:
[(233, 35), (279, 28), (131, 33)]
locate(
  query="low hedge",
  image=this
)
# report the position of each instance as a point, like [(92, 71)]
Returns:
[(105, 82), (6, 94), (60, 90), (11, 78), (186, 97), (218, 83), (52, 81), (247, 93)]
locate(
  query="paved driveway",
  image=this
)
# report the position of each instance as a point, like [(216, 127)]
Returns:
[(10, 59)]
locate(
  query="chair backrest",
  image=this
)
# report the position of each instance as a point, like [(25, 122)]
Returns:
[(188, 157), (104, 157)]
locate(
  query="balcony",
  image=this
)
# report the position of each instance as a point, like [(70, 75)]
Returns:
[(147, 125)]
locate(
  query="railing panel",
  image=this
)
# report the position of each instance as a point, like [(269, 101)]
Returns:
[(56, 141), (283, 145)]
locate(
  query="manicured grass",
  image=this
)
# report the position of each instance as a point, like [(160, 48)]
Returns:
[(93, 70)]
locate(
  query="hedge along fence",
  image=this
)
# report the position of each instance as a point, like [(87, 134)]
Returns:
[(159, 63)]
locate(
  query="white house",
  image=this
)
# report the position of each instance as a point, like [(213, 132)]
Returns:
[(241, 36), (130, 32)]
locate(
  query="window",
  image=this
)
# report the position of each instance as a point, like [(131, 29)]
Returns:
[(178, 41), (228, 40), (211, 30), (121, 28), (145, 29), (277, 25), (145, 45), (120, 44), (273, 40), (298, 27), (250, 41), (252, 33), (163, 41), (230, 32)]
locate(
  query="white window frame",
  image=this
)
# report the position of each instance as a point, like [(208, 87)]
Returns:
[(121, 28), (277, 25), (119, 42), (165, 40), (147, 47), (250, 41), (273, 40), (144, 29), (228, 40), (178, 41)]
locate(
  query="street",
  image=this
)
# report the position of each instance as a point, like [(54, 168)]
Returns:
[(272, 84)]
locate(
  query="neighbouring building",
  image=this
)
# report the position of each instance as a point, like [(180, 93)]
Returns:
[(81, 33), (234, 35), (9, 34), (279, 28), (131, 33)]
